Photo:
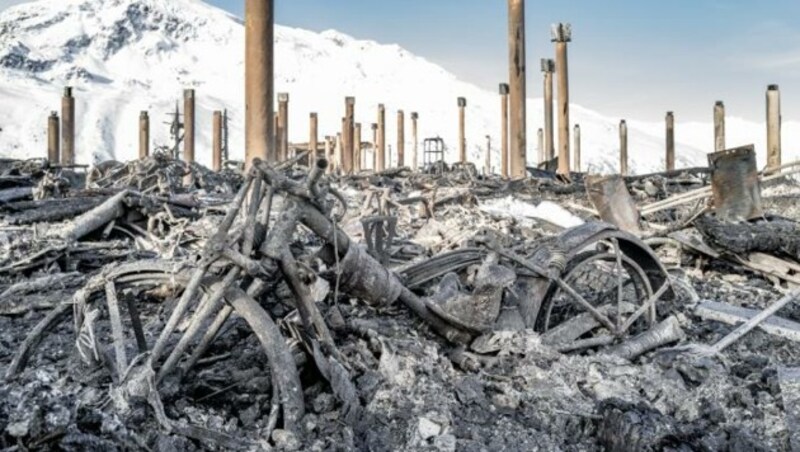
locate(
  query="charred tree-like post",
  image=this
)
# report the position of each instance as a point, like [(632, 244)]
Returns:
[(216, 142), (340, 150), (188, 125), (374, 146), (313, 134), (548, 68), (401, 139), (504, 153), (462, 130), (415, 136), (381, 158), (577, 137), (623, 148), (670, 160), (562, 34), (517, 94), (68, 127), (773, 127), (259, 21), (357, 157), (329, 153), (487, 163), (719, 126), (348, 130), (144, 135), (283, 126), (540, 146), (53, 137)]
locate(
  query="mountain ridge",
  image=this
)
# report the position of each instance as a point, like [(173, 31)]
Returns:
[(124, 56)]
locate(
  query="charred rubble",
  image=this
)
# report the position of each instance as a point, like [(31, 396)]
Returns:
[(157, 305)]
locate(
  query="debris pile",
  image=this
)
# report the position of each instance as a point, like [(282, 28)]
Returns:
[(161, 306)]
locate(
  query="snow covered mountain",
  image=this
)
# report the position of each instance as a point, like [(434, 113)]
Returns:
[(124, 56)]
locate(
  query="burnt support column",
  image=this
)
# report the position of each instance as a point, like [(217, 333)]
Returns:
[(357, 157), (313, 133), (548, 68), (374, 146), (540, 146), (517, 88), (719, 126), (401, 139), (144, 135), (487, 159), (283, 126), (68, 128), (562, 34), (462, 129), (577, 144), (329, 153), (259, 21), (415, 136), (188, 127), (504, 153), (381, 138), (348, 130), (773, 127), (623, 148), (216, 142), (53, 139), (340, 150), (670, 160)]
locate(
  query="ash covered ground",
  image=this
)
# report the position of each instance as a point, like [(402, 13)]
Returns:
[(393, 382)]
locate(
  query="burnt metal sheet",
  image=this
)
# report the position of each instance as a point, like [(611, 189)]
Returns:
[(735, 184), (613, 202)]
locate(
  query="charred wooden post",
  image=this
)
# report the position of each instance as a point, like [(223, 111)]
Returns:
[(548, 68), (487, 163), (517, 94), (623, 148), (144, 135), (188, 125), (577, 144), (773, 127), (719, 126), (216, 142), (329, 152), (401, 139), (357, 157), (374, 146), (504, 156), (348, 130), (462, 126), (282, 134), (313, 133), (540, 146), (381, 156), (68, 127), (670, 160), (415, 136), (53, 137), (259, 19), (562, 34)]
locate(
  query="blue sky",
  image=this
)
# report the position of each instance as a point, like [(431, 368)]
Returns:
[(629, 58)]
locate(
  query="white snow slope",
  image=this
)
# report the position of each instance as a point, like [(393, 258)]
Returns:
[(124, 56)]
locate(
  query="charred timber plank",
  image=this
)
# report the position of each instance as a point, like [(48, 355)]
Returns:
[(732, 315), (52, 210), (96, 218), (14, 194)]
